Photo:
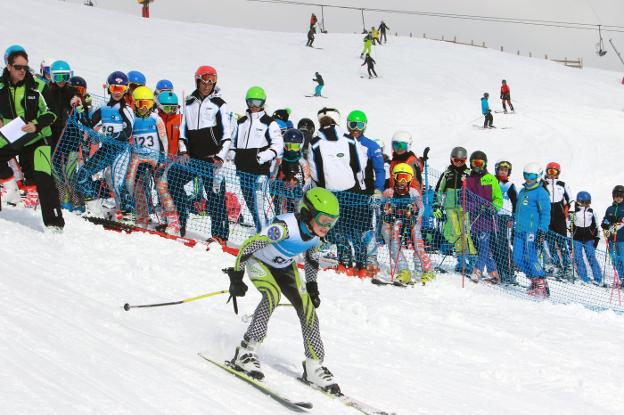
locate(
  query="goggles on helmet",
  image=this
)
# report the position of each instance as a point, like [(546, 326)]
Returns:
[(80, 90), (477, 163), (45, 71), (207, 78), (552, 172), (144, 104), (399, 146), (403, 177), (325, 221), (530, 176), (292, 146), (61, 76), (255, 103), (458, 160), (117, 89), (356, 125), (168, 109), (504, 164)]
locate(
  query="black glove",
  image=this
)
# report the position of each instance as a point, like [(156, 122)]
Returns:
[(237, 287), (596, 240), (312, 289)]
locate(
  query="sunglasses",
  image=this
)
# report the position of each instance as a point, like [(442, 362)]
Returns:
[(552, 172), (80, 90), (207, 78), (403, 177), (399, 146), (458, 160), (168, 109), (356, 125), (144, 104), (117, 89), (477, 163), (21, 67), (61, 77), (530, 176), (255, 103), (292, 146), (325, 221)]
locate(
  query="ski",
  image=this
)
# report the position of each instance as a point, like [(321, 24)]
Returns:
[(277, 396), (377, 281), (505, 112), (315, 96), (348, 401), (480, 127)]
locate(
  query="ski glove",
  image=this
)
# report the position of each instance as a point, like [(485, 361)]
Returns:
[(237, 287), (437, 213), (265, 156), (312, 289)]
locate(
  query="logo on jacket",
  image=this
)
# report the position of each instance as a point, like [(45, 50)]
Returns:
[(340, 155), (274, 233)]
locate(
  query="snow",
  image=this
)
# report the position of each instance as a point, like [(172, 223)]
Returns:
[(68, 347)]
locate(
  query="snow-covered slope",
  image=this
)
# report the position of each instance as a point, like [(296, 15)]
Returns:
[(67, 346)]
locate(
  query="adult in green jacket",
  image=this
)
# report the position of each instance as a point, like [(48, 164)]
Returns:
[(20, 97)]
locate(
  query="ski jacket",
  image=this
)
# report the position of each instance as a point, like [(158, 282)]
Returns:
[(333, 160), (149, 135), (206, 127), (485, 106), (25, 100), (173, 122), (414, 162), (383, 27), (584, 224), (372, 175), (318, 78), (504, 92), (258, 142), (279, 243), (375, 33), (449, 186), (614, 221), (532, 210), (59, 102), (115, 120), (510, 195), (483, 200), (407, 207), (369, 61), (559, 195)]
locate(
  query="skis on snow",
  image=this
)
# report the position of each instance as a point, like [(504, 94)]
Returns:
[(315, 96), (267, 390)]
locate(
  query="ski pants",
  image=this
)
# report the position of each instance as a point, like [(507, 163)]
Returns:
[(457, 231), (616, 250), (251, 185), (484, 258), (558, 248), (317, 90), (382, 36), (506, 100), (179, 175), (501, 250), (396, 235), (489, 119), (371, 71), (590, 252), (37, 156), (272, 283), (525, 255)]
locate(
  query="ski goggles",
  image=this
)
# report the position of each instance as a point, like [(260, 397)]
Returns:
[(255, 103), (292, 146), (207, 78), (399, 146), (117, 89), (552, 172), (403, 178), (144, 104), (457, 160), (503, 165), (356, 125), (168, 109), (80, 90), (325, 221), (61, 76), (530, 176), (25, 68), (477, 163)]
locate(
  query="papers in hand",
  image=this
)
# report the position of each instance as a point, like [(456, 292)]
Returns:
[(13, 130)]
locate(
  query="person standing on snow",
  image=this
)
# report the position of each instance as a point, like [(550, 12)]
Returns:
[(613, 226), (368, 44), (486, 111), (585, 237), (320, 84), (502, 233), (370, 66), (311, 33), (560, 200), (382, 32), (505, 96), (402, 153), (269, 258)]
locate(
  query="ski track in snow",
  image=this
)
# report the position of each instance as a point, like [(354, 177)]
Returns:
[(68, 347)]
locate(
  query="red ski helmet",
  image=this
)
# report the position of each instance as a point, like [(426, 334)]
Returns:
[(206, 73)]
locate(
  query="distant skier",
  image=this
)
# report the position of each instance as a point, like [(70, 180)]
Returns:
[(321, 83), (311, 33), (370, 66), (382, 32), (375, 35), (487, 112), (368, 44), (313, 21), (505, 96)]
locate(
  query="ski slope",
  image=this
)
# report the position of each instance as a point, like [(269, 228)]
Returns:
[(68, 347)]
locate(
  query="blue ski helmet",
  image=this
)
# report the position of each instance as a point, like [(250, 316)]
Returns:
[(11, 49), (167, 98), (117, 78), (136, 77), (164, 85), (583, 197), (292, 135), (60, 71)]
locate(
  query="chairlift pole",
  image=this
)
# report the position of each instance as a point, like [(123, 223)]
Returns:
[(363, 23), (616, 51), (323, 19)]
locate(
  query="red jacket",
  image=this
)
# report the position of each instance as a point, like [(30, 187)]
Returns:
[(414, 163), (172, 126), (505, 91)]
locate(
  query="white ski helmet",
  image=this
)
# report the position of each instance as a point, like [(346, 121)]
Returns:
[(533, 168), (402, 136), (332, 113)]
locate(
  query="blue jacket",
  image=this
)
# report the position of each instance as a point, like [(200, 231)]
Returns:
[(485, 105), (532, 209), (374, 162), (613, 216)]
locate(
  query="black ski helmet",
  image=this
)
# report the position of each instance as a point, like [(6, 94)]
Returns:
[(478, 155), (486, 95), (618, 190), (459, 153), (307, 127), (503, 163), (77, 81), (504, 81), (293, 135)]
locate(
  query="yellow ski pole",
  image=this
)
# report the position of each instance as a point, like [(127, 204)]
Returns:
[(186, 300)]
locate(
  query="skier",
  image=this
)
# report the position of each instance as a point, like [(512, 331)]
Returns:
[(375, 35), (531, 225), (484, 200), (585, 237), (368, 44), (402, 153), (164, 85), (402, 220), (291, 176), (320, 84), (370, 66), (269, 258), (560, 204), (311, 33), (313, 21), (613, 227), (505, 96), (486, 111), (19, 97), (502, 233), (382, 32), (149, 139), (448, 192)]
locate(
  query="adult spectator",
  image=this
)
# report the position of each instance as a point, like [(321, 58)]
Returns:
[(382, 32)]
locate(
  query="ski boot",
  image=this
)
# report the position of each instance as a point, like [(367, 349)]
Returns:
[(427, 277), (476, 275), (245, 360), (493, 278), (539, 288), (314, 373), (403, 277), (11, 194)]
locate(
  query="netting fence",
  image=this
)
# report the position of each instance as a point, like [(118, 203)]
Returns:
[(127, 181)]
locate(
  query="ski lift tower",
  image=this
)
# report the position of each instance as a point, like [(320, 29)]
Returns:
[(145, 8)]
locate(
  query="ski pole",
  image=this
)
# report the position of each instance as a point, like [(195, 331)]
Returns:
[(127, 306)]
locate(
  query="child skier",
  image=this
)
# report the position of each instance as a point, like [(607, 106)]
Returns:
[(486, 111), (505, 96), (585, 237), (402, 153), (502, 234), (370, 66), (269, 258), (320, 84), (291, 175), (613, 226), (402, 219)]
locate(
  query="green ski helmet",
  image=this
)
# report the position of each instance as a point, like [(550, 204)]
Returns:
[(255, 97), (320, 205), (357, 120)]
